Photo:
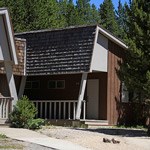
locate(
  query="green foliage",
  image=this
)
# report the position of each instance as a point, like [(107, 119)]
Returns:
[(108, 17), (35, 123), (121, 17), (3, 136), (23, 111), (135, 71)]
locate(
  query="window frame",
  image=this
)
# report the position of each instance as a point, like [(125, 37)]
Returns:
[(56, 86), (31, 82)]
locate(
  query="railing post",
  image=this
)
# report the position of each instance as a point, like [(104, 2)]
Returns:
[(84, 109), (69, 110), (64, 110), (74, 110)]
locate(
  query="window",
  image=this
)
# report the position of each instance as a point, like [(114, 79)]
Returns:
[(32, 85), (56, 84), (124, 94)]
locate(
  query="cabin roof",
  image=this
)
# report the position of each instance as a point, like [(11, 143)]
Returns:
[(61, 51)]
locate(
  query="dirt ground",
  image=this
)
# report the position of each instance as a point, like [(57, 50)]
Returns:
[(10, 144), (130, 139)]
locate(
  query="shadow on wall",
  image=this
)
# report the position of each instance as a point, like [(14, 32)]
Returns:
[(131, 114)]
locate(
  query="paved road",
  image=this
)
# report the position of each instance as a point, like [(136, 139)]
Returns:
[(37, 138)]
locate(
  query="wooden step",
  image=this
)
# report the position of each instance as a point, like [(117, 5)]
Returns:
[(95, 122)]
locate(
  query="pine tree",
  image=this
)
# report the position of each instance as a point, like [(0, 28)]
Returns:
[(107, 16), (72, 14), (94, 15), (121, 17), (135, 71), (83, 10), (47, 14)]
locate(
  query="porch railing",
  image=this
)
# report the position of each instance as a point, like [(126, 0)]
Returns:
[(5, 107), (58, 109)]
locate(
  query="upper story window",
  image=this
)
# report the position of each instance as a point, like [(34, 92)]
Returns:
[(56, 84), (32, 85)]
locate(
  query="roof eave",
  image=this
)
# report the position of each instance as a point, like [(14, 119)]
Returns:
[(10, 35), (111, 37)]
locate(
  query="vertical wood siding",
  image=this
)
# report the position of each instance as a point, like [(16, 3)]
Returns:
[(113, 83)]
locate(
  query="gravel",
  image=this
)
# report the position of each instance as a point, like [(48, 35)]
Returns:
[(130, 139)]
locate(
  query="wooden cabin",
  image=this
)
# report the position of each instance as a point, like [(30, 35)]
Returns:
[(69, 74)]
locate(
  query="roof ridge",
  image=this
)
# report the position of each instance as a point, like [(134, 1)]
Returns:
[(57, 29)]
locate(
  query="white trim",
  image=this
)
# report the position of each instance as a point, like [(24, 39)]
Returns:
[(81, 95), (11, 82), (111, 37), (4, 12), (95, 41)]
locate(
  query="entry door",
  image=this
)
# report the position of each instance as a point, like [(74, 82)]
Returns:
[(93, 99)]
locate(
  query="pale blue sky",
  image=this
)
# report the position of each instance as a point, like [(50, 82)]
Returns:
[(98, 2)]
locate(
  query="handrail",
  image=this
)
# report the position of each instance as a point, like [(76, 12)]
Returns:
[(5, 107), (58, 109)]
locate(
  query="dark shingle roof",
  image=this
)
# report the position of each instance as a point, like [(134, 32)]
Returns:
[(59, 51)]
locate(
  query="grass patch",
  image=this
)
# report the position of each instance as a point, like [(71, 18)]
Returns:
[(3, 136), (18, 147)]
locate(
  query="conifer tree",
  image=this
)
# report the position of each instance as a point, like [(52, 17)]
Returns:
[(83, 10), (107, 16), (121, 16), (135, 71), (47, 14)]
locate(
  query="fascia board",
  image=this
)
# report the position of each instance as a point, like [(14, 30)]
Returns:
[(10, 36), (111, 37)]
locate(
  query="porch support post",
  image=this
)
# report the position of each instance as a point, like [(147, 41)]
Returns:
[(81, 95), (11, 82), (22, 86)]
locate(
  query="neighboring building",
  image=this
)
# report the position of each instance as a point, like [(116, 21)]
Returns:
[(70, 73)]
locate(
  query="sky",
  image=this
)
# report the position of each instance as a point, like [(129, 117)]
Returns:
[(98, 2)]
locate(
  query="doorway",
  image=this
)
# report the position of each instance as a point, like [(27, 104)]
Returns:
[(93, 99)]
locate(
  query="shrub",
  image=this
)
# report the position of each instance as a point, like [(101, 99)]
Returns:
[(23, 111), (35, 123)]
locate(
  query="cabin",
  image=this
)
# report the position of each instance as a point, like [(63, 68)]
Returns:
[(11, 65), (72, 73), (69, 74)]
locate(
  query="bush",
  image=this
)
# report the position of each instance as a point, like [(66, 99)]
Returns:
[(23, 112), (35, 123)]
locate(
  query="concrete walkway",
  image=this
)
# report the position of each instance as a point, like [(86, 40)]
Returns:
[(37, 138)]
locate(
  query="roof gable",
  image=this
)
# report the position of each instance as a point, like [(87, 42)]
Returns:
[(7, 46)]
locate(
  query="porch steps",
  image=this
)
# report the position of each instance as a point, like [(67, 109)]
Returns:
[(4, 123), (95, 123)]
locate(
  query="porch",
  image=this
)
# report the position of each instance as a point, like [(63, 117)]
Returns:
[(63, 112), (5, 109)]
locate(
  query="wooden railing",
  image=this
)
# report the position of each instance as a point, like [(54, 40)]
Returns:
[(58, 109), (5, 107)]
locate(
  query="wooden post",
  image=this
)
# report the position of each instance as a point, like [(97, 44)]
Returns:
[(22, 86), (81, 95), (11, 82)]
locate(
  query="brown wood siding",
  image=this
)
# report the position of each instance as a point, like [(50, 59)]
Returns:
[(20, 49), (4, 88), (113, 85), (70, 92)]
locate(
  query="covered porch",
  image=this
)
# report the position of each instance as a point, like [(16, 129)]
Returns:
[(82, 98), (5, 109)]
